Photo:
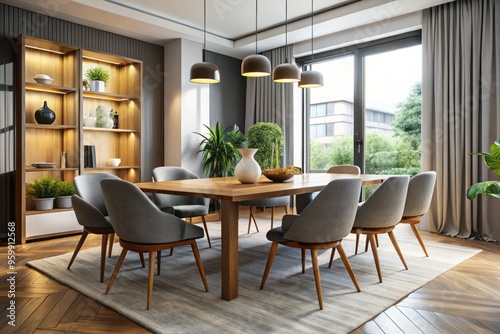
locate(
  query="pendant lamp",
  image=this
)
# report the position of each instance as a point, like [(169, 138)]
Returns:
[(256, 65), (311, 79), (285, 73), (204, 72)]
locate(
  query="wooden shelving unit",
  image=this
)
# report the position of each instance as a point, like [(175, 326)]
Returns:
[(66, 97)]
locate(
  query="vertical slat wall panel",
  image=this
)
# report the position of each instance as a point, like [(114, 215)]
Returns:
[(227, 98), (18, 21)]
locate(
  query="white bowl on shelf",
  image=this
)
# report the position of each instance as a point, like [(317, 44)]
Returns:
[(114, 162), (43, 79)]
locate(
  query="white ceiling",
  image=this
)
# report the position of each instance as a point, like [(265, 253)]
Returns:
[(230, 24)]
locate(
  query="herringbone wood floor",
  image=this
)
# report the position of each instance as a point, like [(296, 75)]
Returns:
[(465, 299)]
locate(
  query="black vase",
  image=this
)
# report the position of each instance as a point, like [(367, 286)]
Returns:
[(45, 115)]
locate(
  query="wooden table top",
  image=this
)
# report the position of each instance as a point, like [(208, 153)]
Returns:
[(229, 188)]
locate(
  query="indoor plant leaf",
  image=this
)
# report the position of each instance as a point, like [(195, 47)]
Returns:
[(488, 188)]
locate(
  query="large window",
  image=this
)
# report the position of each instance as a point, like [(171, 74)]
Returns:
[(368, 111)]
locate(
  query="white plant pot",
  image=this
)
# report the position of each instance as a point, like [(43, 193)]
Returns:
[(247, 170), (44, 204), (89, 122), (63, 202), (97, 86)]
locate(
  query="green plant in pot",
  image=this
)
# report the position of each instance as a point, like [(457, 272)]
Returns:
[(488, 188), (65, 190), (44, 190), (98, 77), (219, 149), (268, 139)]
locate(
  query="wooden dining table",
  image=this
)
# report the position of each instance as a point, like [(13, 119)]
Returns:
[(230, 192)]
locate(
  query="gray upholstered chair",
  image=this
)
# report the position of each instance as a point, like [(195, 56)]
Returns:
[(418, 200), (180, 206), (302, 200), (91, 213), (322, 225), (142, 227), (380, 213), (272, 203)]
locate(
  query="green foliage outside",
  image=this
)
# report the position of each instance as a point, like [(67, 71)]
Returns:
[(219, 149), (266, 137), (384, 153)]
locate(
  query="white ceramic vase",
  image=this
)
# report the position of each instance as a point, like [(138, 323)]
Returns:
[(247, 170)]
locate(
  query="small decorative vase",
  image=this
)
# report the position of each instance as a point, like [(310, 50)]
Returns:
[(97, 86), (89, 121), (45, 115), (247, 170)]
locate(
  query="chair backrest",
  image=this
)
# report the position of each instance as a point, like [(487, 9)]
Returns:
[(88, 215), (136, 219), (419, 195), (384, 208), (345, 169), (169, 173), (330, 216), (88, 187)]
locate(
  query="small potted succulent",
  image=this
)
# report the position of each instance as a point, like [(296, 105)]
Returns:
[(98, 77), (43, 190), (65, 190)]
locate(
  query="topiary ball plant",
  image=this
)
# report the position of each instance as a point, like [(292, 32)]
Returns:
[(268, 138)]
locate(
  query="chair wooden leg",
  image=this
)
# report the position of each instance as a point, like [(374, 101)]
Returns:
[(253, 218), (367, 242), (371, 239), (272, 217), (78, 247), (206, 230), (117, 268), (303, 253), (348, 266), (158, 261), (151, 274), (171, 251), (197, 257), (111, 241), (398, 250), (270, 259), (141, 256), (317, 278), (250, 217), (357, 244), (419, 238), (104, 244), (331, 258)]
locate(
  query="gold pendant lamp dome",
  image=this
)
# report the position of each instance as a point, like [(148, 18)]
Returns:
[(311, 79), (204, 72), (256, 65), (286, 73)]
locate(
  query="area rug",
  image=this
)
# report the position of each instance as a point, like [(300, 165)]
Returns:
[(287, 304)]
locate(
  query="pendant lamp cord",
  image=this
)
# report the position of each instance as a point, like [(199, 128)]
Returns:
[(286, 31), (256, 31), (204, 29), (312, 33)]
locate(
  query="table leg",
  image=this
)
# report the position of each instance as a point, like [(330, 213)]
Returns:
[(229, 226)]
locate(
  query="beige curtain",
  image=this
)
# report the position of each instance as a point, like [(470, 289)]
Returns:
[(267, 101), (461, 112)]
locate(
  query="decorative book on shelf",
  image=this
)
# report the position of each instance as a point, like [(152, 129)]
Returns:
[(89, 156)]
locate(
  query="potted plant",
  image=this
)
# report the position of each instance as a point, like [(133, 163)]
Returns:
[(220, 150), (268, 139), (98, 77), (488, 188), (44, 190), (65, 190)]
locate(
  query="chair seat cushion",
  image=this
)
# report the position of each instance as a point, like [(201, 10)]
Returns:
[(186, 211), (276, 234), (267, 202)]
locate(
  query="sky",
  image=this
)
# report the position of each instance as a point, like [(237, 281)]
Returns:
[(389, 78)]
